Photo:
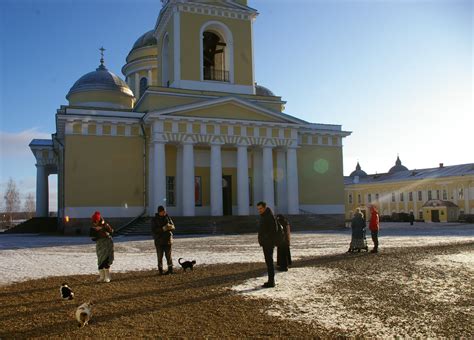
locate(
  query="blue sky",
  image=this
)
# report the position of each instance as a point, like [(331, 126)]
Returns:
[(399, 74)]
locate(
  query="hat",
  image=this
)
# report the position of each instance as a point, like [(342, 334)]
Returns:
[(96, 217)]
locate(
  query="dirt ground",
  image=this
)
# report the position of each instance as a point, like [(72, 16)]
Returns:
[(409, 290)]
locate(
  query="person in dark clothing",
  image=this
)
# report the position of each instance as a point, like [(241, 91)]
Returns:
[(162, 229), (358, 241), (283, 249), (412, 218), (266, 238)]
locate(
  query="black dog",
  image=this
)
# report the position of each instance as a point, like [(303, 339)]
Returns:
[(186, 264), (66, 292)]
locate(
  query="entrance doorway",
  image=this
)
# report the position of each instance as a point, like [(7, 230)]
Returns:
[(227, 195), (434, 215)]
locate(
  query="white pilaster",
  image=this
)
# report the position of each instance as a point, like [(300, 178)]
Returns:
[(177, 48), (216, 180), (292, 182), (242, 180), (159, 175), (466, 200), (188, 180), (150, 79), (282, 193), (42, 194), (136, 92), (257, 176), (151, 203), (179, 179), (267, 173)]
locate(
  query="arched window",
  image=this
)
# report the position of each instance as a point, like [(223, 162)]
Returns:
[(217, 62), (143, 85), (165, 69)]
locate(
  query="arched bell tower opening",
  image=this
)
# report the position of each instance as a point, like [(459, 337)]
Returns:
[(165, 61), (217, 62)]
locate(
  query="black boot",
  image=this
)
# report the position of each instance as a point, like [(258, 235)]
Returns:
[(375, 250), (160, 271), (170, 271), (269, 284)]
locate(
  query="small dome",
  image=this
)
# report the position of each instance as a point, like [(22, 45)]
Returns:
[(263, 91), (397, 167), (147, 39), (100, 79), (358, 172)]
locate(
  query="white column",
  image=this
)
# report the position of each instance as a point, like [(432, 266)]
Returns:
[(188, 180), (137, 85), (257, 177), (405, 201), (466, 199), (415, 197), (159, 175), (242, 180), (179, 179), (267, 173), (151, 202), (42, 194), (150, 80), (292, 182), (216, 180), (282, 194)]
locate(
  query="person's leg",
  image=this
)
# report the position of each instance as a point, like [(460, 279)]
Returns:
[(375, 239), (268, 253), (169, 260), (283, 258), (159, 255)]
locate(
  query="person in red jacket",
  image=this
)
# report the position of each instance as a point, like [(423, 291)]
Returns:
[(374, 227)]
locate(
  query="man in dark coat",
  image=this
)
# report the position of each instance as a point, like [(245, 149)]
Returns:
[(161, 228), (266, 238)]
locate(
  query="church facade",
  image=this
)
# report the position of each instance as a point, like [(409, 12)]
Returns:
[(189, 129)]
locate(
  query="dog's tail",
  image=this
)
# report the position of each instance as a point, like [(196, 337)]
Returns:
[(179, 260)]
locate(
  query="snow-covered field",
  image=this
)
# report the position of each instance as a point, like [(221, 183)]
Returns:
[(25, 257)]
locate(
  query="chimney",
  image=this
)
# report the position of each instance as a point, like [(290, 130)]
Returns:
[(441, 165)]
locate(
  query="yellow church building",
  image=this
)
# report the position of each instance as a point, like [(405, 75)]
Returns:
[(189, 129), (440, 194)]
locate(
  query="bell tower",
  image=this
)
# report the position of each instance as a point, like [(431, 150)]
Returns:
[(206, 46)]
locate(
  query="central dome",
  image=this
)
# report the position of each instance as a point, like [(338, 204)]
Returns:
[(147, 39)]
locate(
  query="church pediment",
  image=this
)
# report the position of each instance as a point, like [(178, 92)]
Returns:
[(227, 108)]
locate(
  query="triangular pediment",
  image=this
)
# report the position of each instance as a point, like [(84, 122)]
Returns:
[(227, 108)]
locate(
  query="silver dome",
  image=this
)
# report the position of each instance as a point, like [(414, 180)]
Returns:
[(398, 166), (263, 91), (147, 39), (100, 79), (358, 172)]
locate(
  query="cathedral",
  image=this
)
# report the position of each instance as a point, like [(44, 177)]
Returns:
[(189, 128)]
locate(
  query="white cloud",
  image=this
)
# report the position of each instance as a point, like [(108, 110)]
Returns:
[(16, 144)]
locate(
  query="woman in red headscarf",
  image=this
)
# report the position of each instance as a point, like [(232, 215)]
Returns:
[(374, 227), (101, 233)]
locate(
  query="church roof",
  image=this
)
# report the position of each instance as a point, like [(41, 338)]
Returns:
[(358, 172), (146, 39), (100, 79), (398, 166), (263, 91)]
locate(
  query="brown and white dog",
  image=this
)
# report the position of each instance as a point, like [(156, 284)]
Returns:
[(84, 313)]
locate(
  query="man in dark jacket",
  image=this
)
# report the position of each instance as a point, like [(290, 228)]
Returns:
[(266, 238), (161, 228)]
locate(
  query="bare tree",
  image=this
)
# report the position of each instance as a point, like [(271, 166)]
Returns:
[(30, 205), (12, 199)]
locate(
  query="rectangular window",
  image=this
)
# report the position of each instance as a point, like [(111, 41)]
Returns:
[(402, 197), (410, 196), (359, 199), (420, 196), (369, 198), (461, 193), (376, 197), (197, 191), (430, 195), (445, 194), (437, 194), (350, 198), (170, 191), (393, 197), (420, 215)]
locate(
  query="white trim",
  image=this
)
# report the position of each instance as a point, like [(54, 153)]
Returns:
[(216, 86), (324, 208), (107, 212), (176, 47), (165, 57)]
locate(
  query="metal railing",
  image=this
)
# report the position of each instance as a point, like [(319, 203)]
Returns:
[(215, 74)]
